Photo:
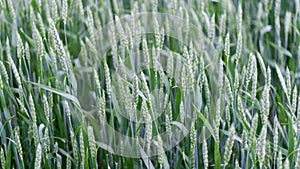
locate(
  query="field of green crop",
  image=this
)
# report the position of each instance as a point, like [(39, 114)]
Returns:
[(166, 84)]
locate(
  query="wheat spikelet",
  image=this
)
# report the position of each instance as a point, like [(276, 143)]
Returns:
[(39, 40), (239, 48), (12, 64), (148, 132), (281, 79), (41, 25), (82, 149), (294, 101), (160, 152), (265, 103), (297, 161), (18, 143), (286, 164), (252, 134), (222, 24), (288, 82), (2, 157), (276, 134), (288, 23), (239, 18), (205, 152), (261, 149), (211, 30), (38, 157), (107, 80), (261, 64), (229, 145), (249, 69), (254, 81), (34, 118), (228, 89), (227, 47), (4, 72), (54, 14), (279, 160), (64, 11), (11, 9), (90, 26), (58, 45), (92, 142), (27, 53), (47, 140), (193, 145)]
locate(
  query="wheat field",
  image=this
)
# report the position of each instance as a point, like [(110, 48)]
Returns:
[(166, 84)]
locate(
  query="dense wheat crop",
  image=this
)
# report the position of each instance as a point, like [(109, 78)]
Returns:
[(149, 84)]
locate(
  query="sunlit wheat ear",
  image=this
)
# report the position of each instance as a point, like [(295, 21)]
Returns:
[(236, 83), (193, 144), (276, 134), (211, 30), (294, 101), (27, 54), (205, 151), (222, 24), (20, 49), (261, 64), (239, 48), (182, 113), (249, 69), (286, 164), (18, 143), (47, 140), (229, 145), (41, 25), (207, 91), (148, 133), (288, 83), (252, 134), (242, 111), (2, 157), (39, 42), (297, 162), (82, 149), (107, 80), (38, 157), (11, 9), (227, 47), (12, 64), (220, 76), (90, 26), (228, 90), (279, 160), (298, 112), (54, 14), (261, 149), (160, 152), (288, 23), (58, 45), (265, 104), (34, 118), (4, 72), (92, 142), (64, 12), (68, 112), (281, 79), (46, 108), (254, 81)]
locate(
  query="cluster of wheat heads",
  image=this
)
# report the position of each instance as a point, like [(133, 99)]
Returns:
[(149, 84)]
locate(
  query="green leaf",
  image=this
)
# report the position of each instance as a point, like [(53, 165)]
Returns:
[(206, 123), (217, 155)]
